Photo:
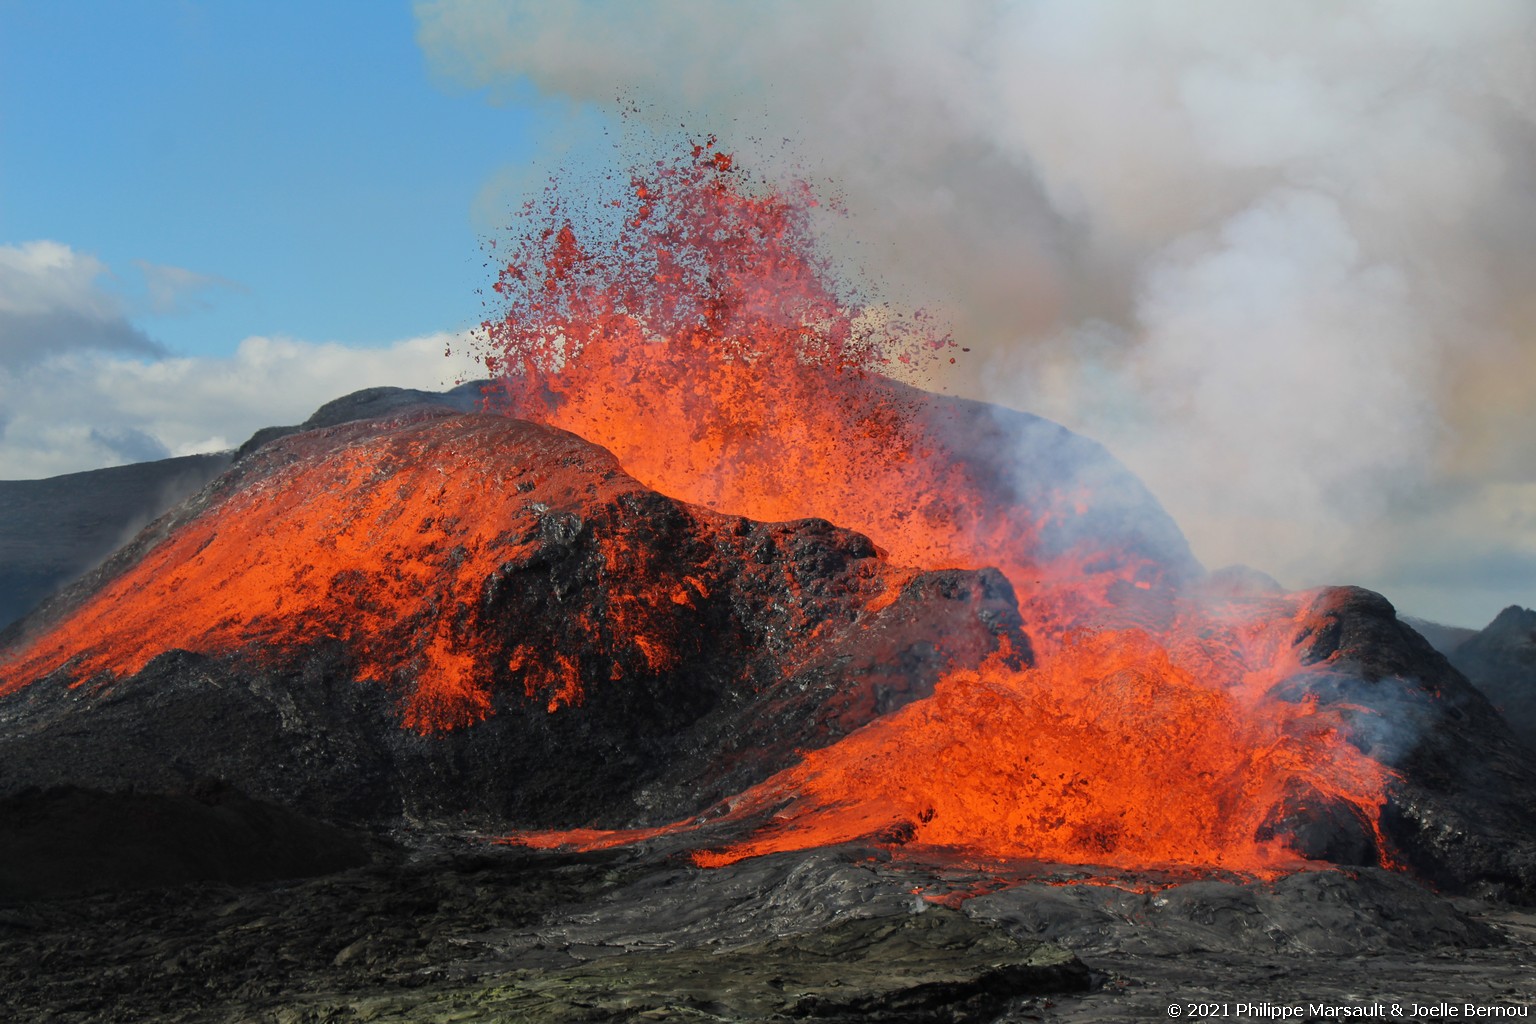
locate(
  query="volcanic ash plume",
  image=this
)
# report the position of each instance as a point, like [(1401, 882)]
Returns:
[(1274, 256)]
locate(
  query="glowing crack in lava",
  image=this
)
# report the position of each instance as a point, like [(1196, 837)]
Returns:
[(693, 331)]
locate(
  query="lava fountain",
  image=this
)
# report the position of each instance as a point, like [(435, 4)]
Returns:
[(688, 326), (693, 330)]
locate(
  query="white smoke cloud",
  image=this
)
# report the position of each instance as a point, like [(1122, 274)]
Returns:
[(1274, 255)]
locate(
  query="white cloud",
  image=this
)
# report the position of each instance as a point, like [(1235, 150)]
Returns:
[(176, 289), (81, 387), (83, 410), (52, 301)]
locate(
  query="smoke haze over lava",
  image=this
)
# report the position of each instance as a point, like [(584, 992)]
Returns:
[(1273, 256)]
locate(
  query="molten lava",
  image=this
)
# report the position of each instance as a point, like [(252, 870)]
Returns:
[(1112, 753), (367, 543), (689, 328), (438, 553), (701, 340)]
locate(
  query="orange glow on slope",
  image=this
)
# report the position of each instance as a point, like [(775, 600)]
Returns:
[(391, 544), (1117, 752), (1113, 753), (704, 344), (373, 545)]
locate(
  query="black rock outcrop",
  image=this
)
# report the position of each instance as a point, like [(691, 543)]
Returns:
[(1462, 812)]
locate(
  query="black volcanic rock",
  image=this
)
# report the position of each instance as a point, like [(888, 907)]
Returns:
[(511, 935), (491, 936), (68, 841), (907, 969), (776, 644), (1462, 812), (1501, 661)]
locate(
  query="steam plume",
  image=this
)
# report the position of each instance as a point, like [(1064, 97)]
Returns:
[(1273, 255)]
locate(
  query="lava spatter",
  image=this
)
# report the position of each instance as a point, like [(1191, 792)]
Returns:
[(700, 338), (1093, 711)]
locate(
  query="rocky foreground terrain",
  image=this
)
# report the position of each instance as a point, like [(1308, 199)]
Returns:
[(459, 929)]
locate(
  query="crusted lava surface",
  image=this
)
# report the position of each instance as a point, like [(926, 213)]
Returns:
[(474, 618), (474, 933), (461, 620), (439, 621)]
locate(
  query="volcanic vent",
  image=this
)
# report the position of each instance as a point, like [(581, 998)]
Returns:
[(627, 604), (1172, 722)]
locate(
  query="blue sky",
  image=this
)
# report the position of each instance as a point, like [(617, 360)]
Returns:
[(301, 155)]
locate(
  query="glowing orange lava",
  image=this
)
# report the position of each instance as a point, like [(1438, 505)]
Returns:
[(705, 344), (1118, 751), (689, 328), (697, 336), (368, 543), (1113, 753), (394, 544)]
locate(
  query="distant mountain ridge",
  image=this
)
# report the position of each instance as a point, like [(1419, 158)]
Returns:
[(1501, 661), (53, 530), (1441, 637)]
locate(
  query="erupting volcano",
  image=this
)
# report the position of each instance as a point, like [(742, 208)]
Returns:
[(705, 345), (796, 601)]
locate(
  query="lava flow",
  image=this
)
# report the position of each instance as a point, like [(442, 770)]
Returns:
[(688, 327), (699, 338), (366, 542), (1114, 752), (454, 558)]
